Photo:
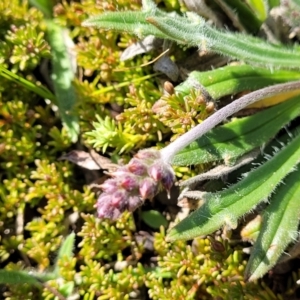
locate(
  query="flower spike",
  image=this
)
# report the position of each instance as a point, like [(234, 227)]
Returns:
[(142, 178)]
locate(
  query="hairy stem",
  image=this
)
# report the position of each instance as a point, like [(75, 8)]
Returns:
[(172, 149)]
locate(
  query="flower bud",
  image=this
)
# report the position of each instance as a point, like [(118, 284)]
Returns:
[(156, 171), (148, 188), (251, 230), (129, 183), (169, 87), (217, 246), (200, 100), (136, 167), (118, 197), (168, 179), (210, 106)]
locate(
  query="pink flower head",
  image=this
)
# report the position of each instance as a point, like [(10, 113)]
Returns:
[(132, 184)]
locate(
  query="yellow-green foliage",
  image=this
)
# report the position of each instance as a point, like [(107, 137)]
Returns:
[(43, 199), (22, 35), (208, 269), (181, 113)]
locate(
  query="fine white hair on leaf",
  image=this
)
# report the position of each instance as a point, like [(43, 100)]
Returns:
[(267, 156), (294, 234), (288, 132), (276, 149)]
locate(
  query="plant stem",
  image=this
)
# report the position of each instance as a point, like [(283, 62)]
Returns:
[(172, 149)]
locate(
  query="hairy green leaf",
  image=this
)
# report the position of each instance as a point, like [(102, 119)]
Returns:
[(194, 31), (279, 227), (129, 22), (230, 80), (225, 207)]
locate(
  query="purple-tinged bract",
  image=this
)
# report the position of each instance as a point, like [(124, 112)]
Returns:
[(129, 182), (156, 170), (148, 188), (109, 186), (137, 167)]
